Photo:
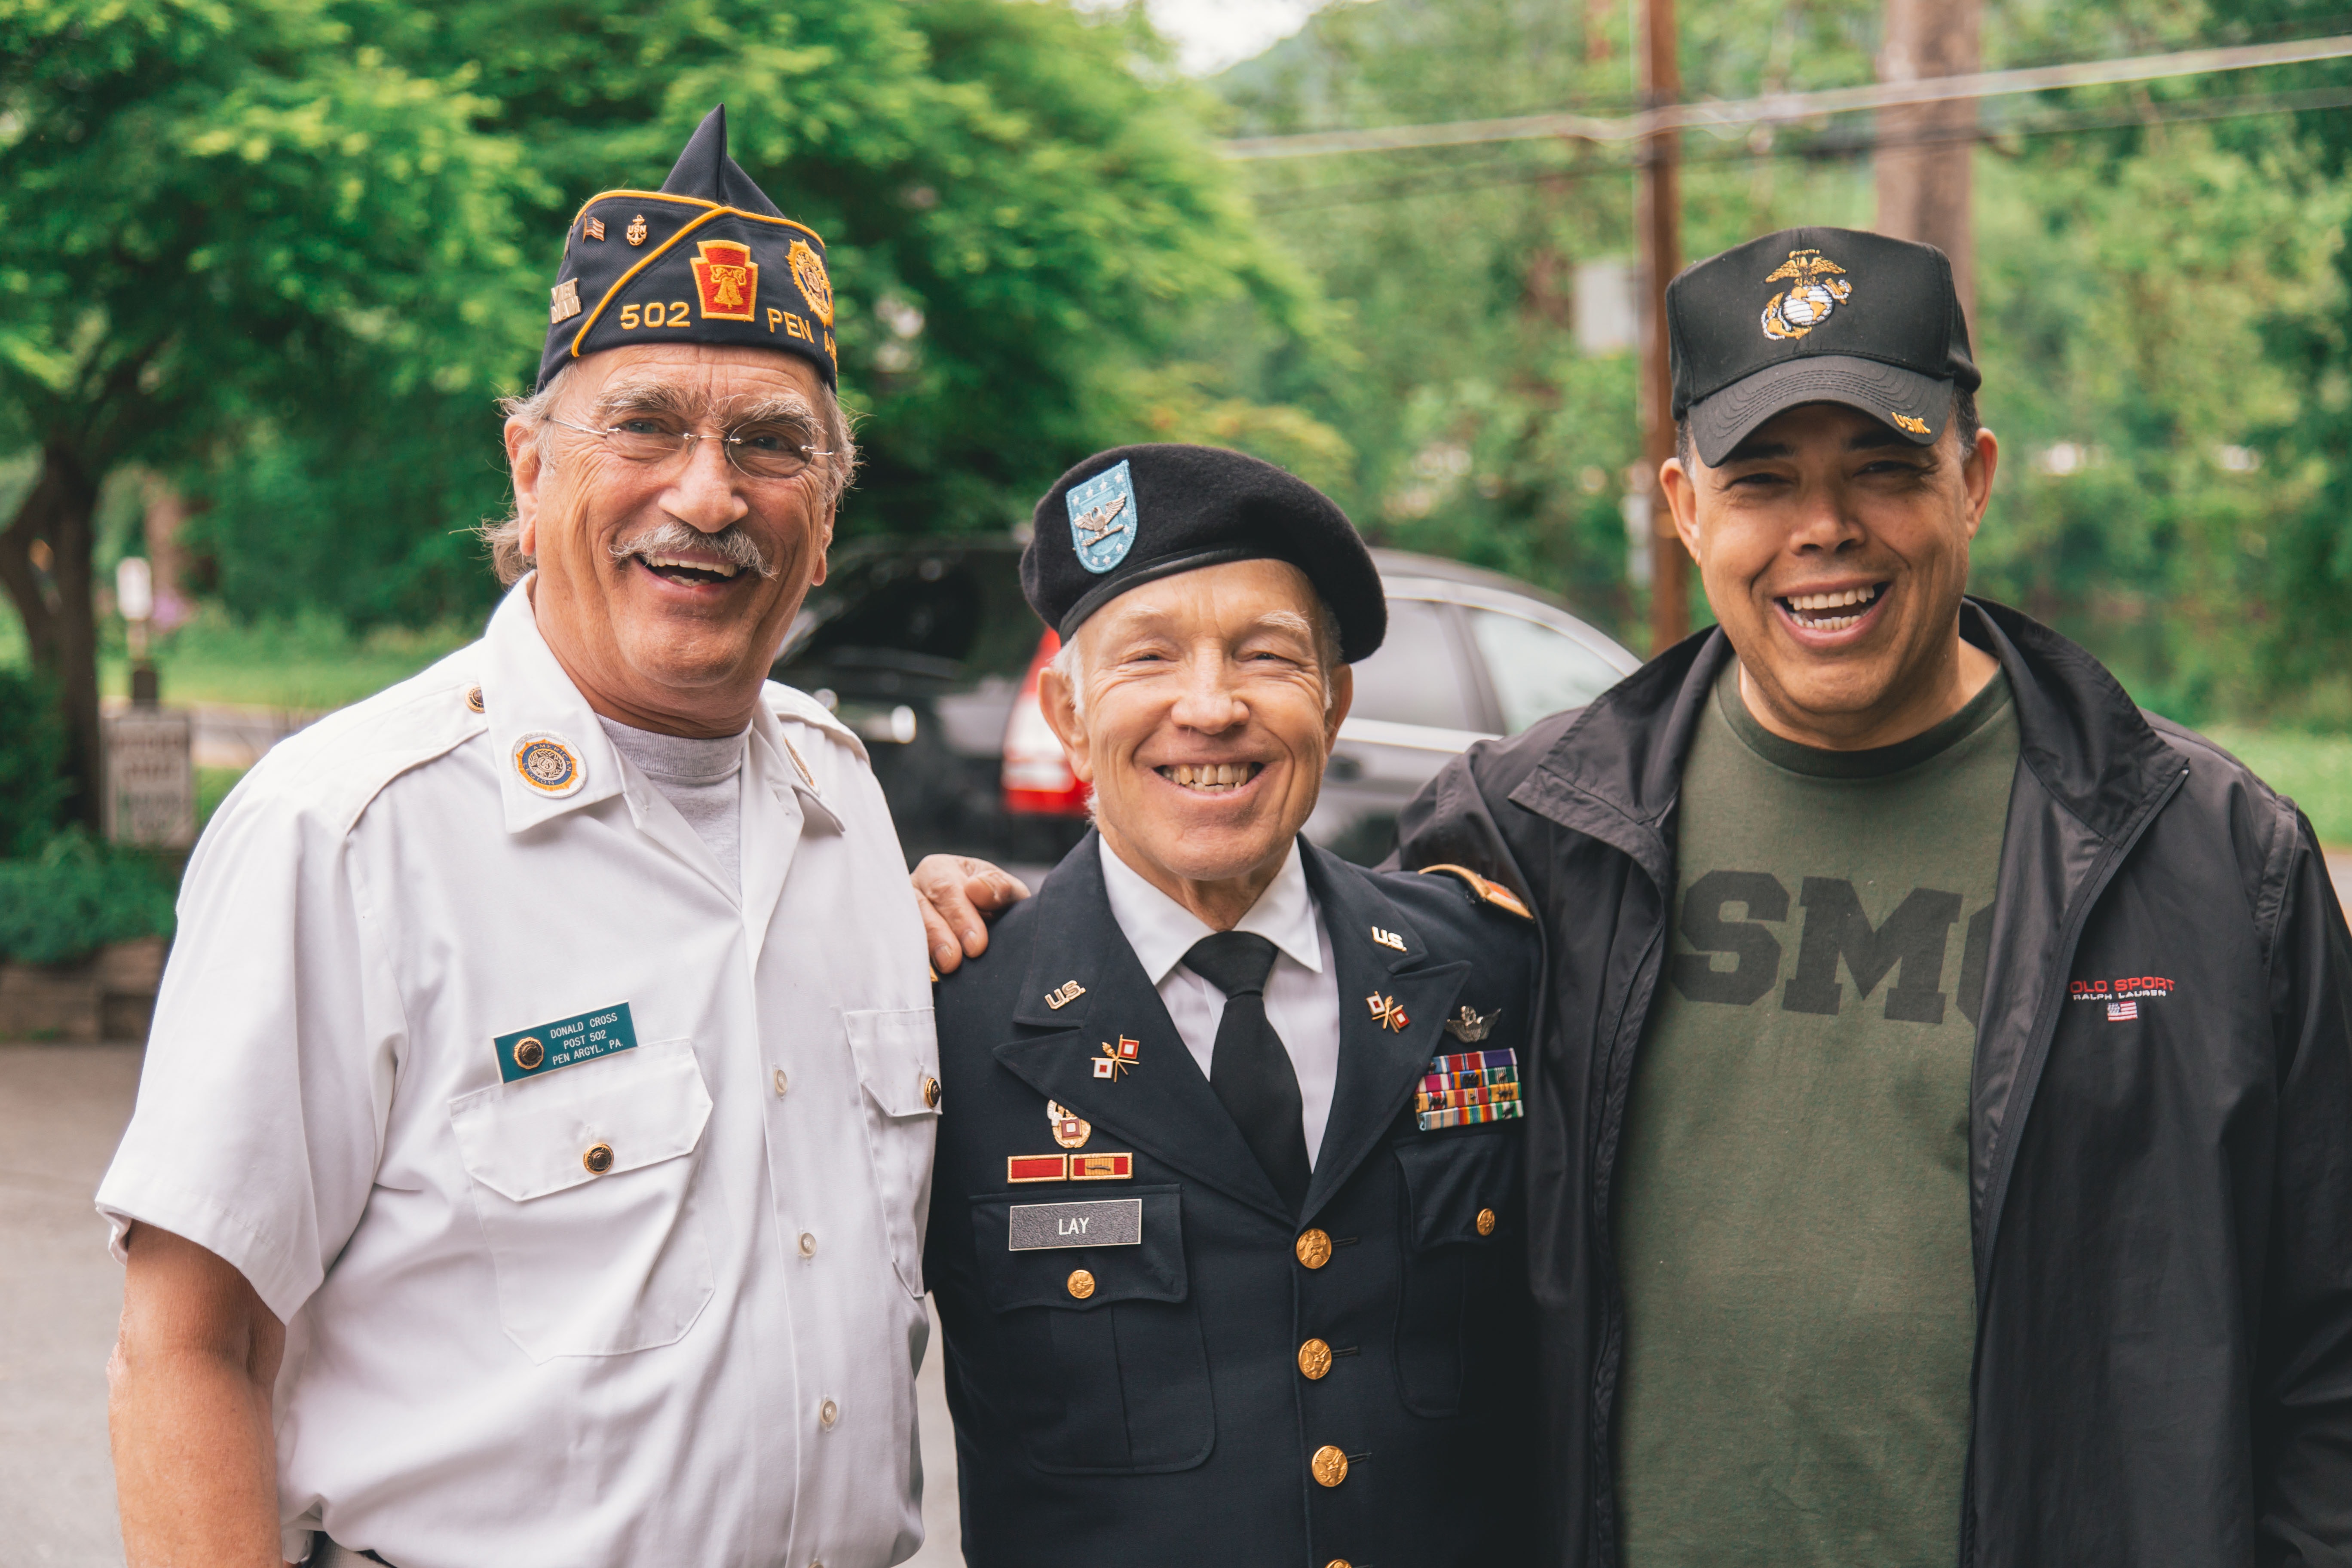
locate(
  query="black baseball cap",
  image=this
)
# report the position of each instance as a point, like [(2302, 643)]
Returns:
[(1817, 315), (1135, 514)]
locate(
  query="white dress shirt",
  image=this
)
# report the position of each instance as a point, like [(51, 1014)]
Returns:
[(1302, 993), (656, 1306)]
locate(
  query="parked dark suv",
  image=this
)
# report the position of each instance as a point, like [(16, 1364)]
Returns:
[(927, 649)]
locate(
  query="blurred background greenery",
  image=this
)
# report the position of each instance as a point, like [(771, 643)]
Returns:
[(273, 262)]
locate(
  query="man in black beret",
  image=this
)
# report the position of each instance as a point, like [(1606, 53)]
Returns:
[(1224, 1224)]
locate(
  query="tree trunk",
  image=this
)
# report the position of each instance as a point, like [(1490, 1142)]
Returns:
[(44, 565), (1925, 150)]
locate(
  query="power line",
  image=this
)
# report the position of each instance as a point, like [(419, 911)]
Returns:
[(1780, 108), (1494, 174)]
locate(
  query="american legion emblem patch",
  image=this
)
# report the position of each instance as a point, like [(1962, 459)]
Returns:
[(1103, 518)]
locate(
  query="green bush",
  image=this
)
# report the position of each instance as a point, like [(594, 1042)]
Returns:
[(32, 762), (74, 897)]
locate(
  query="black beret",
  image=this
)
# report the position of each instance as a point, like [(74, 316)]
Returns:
[(706, 260), (1134, 514)]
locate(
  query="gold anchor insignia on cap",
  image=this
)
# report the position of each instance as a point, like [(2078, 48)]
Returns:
[(1070, 1132), (1818, 285), (1064, 994), (635, 233), (1471, 1026)]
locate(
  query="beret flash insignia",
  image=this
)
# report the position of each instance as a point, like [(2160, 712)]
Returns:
[(1816, 287), (808, 271)]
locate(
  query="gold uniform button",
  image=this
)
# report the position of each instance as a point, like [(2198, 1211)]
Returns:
[(1314, 1248), (1339, 1563), (1486, 1222), (1082, 1284), (474, 698), (931, 1093), (1330, 1465), (598, 1159), (1314, 1359)]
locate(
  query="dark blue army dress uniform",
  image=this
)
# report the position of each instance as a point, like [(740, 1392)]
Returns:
[(1224, 1381)]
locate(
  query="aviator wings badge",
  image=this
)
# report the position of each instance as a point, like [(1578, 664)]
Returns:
[(1471, 1026)]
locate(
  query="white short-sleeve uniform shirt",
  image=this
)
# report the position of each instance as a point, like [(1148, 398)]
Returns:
[(702, 1353)]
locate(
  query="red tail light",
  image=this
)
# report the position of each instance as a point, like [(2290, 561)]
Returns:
[(1038, 777)]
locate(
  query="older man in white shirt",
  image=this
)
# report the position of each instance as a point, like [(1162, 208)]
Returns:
[(534, 1148)]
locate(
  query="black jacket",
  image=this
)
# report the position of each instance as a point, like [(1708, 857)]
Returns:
[(2162, 1211), (1161, 1414)]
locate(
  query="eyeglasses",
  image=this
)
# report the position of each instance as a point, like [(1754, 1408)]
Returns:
[(760, 450)]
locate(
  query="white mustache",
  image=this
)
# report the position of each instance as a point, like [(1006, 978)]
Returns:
[(731, 545)]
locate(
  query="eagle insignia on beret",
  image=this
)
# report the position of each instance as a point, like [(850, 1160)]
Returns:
[(1819, 287), (808, 271), (728, 280), (1103, 518)]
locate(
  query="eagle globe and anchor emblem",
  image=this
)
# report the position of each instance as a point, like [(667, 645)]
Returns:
[(1816, 287)]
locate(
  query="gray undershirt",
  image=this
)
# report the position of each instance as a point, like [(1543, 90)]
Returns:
[(700, 778)]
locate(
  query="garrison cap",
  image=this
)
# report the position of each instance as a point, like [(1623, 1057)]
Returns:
[(1135, 514), (1817, 315), (707, 259)]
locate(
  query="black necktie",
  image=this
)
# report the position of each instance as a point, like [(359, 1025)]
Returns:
[(1249, 1069)]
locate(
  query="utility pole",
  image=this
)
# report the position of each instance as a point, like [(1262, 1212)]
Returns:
[(1925, 150), (1660, 220)]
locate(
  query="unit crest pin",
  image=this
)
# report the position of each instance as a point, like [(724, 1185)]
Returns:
[(1071, 1132)]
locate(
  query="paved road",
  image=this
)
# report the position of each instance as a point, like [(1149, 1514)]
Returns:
[(62, 1110)]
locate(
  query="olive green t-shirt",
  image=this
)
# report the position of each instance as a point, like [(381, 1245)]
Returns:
[(1793, 1199)]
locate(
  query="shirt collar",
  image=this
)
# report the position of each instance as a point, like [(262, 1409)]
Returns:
[(1161, 931)]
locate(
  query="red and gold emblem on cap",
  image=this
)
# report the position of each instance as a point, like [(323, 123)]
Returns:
[(728, 279), (808, 271)]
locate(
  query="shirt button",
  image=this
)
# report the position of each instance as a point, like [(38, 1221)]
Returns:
[(598, 1159), (1314, 1359), (1486, 1222), (781, 1084), (827, 1414), (1330, 1465), (808, 1244), (1338, 1562), (1314, 1248)]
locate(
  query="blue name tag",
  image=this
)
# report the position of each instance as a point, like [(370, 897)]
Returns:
[(543, 1047)]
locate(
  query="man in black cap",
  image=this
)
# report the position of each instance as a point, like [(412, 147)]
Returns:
[(1941, 1113), (531, 1151), (1224, 1229)]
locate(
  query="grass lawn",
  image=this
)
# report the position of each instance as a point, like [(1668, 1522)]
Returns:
[(306, 666), (2316, 769)]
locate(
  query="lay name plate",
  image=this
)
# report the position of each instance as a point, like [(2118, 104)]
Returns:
[(584, 1037), (1108, 1222)]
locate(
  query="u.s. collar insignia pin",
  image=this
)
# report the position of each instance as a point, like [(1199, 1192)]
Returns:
[(1816, 287), (1386, 1013), (1116, 1059), (548, 765), (1388, 939), (1103, 518), (636, 232), (1071, 1132), (1064, 994)]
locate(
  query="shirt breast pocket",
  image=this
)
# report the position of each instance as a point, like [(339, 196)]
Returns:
[(898, 1057), (583, 1182), (1105, 1368), (1456, 1214)]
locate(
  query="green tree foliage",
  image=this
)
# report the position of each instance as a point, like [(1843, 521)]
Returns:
[(1020, 219), (212, 218), (32, 750)]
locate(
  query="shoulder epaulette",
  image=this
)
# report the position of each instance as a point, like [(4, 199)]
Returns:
[(1489, 891)]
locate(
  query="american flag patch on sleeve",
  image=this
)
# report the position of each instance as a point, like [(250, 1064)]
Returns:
[(1465, 1090)]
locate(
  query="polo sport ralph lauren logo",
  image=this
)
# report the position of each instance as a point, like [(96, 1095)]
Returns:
[(1835, 937)]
